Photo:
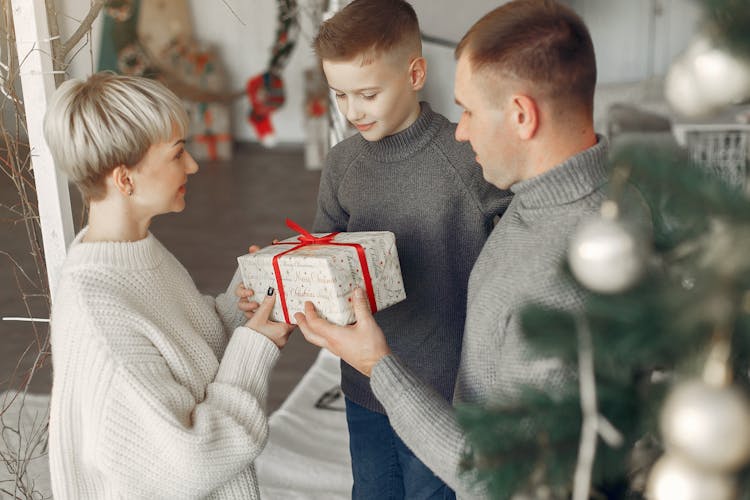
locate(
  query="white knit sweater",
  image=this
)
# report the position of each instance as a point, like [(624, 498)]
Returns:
[(153, 396)]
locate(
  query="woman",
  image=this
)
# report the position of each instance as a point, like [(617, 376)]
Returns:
[(157, 391)]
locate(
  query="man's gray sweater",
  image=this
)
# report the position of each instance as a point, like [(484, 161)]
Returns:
[(426, 188), (520, 263)]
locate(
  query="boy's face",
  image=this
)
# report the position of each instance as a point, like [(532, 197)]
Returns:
[(379, 98)]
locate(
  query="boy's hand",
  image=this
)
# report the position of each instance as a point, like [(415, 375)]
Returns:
[(278, 333), (361, 345)]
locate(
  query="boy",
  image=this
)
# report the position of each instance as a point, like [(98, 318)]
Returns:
[(404, 172)]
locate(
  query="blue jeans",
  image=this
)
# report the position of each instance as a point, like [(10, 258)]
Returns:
[(384, 468)]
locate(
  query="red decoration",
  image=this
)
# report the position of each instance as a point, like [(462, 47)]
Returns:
[(266, 94), (211, 141)]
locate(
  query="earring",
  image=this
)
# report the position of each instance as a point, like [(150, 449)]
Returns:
[(130, 192)]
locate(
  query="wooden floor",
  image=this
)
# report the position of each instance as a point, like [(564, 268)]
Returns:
[(230, 205)]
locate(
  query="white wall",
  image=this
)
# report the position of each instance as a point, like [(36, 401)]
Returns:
[(634, 39), (243, 48), (637, 39), (442, 18)]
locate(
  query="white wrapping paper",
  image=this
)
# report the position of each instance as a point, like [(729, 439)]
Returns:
[(326, 274)]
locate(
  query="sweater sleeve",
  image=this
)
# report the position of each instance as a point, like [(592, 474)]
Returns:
[(154, 438), (424, 420), (330, 216), (226, 305)]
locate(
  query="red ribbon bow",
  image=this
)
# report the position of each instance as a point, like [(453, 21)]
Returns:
[(306, 239)]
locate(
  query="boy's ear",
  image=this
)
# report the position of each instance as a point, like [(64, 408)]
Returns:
[(525, 116), (120, 180), (418, 72)]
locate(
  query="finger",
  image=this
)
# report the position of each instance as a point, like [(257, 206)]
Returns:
[(241, 291), (264, 310), (361, 306), (253, 248), (275, 240), (323, 327), (307, 331), (310, 313), (248, 305)]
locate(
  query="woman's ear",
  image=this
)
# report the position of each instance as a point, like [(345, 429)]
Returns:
[(526, 116), (418, 72), (121, 180)]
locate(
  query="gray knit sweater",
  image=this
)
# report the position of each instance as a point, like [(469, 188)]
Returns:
[(427, 189), (519, 263)]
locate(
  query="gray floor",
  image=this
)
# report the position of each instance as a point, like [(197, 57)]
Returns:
[(230, 205)]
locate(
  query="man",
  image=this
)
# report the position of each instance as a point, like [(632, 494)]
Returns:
[(525, 78)]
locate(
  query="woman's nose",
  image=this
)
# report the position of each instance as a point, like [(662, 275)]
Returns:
[(192, 165)]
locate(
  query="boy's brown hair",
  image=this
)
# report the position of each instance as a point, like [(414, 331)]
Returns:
[(369, 28), (540, 41)]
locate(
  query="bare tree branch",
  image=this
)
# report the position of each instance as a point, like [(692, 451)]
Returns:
[(84, 27), (58, 57)]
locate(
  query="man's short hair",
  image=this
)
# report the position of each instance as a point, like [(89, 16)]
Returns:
[(94, 125), (540, 41), (369, 28)]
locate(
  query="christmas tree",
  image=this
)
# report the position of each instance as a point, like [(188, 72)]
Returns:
[(660, 407)]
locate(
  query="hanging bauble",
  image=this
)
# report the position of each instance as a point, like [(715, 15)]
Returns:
[(607, 255), (682, 92), (673, 478), (708, 425), (707, 77)]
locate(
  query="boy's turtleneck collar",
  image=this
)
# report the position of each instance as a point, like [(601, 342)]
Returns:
[(568, 181), (404, 144)]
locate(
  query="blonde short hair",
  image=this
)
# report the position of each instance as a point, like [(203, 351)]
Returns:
[(94, 125)]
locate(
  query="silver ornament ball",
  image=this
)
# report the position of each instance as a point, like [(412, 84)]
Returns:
[(682, 92), (607, 255), (673, 478), (706, 78), (707, 425)]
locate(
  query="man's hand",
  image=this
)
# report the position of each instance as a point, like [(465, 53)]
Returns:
[(361, 345), (278, 333)]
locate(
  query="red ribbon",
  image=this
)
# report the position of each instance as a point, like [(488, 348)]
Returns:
[(306, 239)]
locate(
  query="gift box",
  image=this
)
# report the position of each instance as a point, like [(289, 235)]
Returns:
[(325, 269)]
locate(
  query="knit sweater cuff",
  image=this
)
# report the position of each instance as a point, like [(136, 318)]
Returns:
[(247, 361), (389, 381)]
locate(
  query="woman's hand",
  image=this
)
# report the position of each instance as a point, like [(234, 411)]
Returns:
[(247, 306), (278, 333)]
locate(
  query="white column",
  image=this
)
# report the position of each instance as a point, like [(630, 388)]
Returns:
[(37, 82)]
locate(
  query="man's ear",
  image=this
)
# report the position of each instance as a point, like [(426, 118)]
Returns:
[(121, 180), (418, 72), (526, 116)]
